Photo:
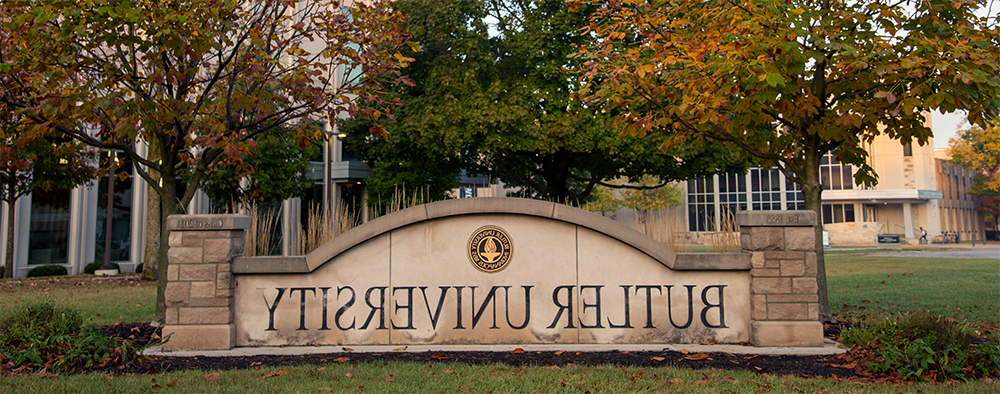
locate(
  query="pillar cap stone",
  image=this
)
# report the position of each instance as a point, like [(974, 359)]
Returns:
[(207, 222), (776, 218)]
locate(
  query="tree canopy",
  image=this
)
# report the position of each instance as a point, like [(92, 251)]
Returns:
[(198, 79), (977, 149), (789, 81), (492, 96)]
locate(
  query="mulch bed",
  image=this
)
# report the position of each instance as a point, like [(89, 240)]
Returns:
[(840, 366)]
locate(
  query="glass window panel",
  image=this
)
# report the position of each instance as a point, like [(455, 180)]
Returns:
[(48, 238), (838, 213), (849, 213), (741, 183), (848, 177), (693, 218), (835, 178), (827, 214), (824, 177)]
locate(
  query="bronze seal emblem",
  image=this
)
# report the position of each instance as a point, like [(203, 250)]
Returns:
[(490, 249)]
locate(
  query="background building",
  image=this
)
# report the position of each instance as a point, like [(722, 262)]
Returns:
[(917, 188)]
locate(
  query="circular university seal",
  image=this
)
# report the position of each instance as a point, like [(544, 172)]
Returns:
[(490, 249)]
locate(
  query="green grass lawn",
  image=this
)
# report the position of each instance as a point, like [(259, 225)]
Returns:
[(462, 378), (104, 300), (960, 288), (963, 289)]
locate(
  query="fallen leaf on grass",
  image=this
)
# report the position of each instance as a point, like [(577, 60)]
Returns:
[(439, 356), (553, 367), (674, 381), (348, 374), (342, 359), (517, 351), (172, 384), (684, 351), (728, 379), (273, 374), (657, 358), (389, 378), (399, 349), (213, 376), (559, 353)]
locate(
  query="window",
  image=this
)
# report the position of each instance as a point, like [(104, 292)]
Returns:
[(794, 199), (765, 189), (733, 192), (838, 213), (701, 204), (48, 240), (835, 175)]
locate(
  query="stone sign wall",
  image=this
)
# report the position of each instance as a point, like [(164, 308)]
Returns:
[(500, 270)]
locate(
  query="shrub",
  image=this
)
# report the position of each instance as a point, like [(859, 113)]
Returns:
[(922, 346), (42, 335), (47, 270), (93, 267)]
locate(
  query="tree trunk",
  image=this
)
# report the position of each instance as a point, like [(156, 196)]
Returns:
[(150, 256), (8, 270), (812, 191)]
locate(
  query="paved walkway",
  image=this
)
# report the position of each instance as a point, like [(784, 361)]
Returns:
[(965, 251)]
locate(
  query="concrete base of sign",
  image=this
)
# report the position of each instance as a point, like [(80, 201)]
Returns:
[(111, 272), (199, 337), (786, 333), (829, 348)]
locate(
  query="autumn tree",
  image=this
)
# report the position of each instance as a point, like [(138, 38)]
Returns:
[(197, 79), (31, 159), (789, 81), (977, 149), (492, 97)]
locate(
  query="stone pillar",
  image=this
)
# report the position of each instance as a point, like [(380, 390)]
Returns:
[(199, 292), (783, 289)]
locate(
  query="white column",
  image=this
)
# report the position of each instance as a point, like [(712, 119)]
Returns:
[(77, 213), (22, 231), (137, 238), (3, 233), (908, 219)]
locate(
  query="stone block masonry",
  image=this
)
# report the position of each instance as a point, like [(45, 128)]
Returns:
[(784, 302), (199, 294)]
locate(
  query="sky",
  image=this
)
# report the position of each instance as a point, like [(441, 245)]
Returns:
[(945, 126)]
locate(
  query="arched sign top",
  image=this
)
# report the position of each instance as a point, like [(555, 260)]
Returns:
[(486, 206), (452, 208)]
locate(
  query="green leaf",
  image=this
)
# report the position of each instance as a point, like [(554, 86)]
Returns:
[(774, 80)]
